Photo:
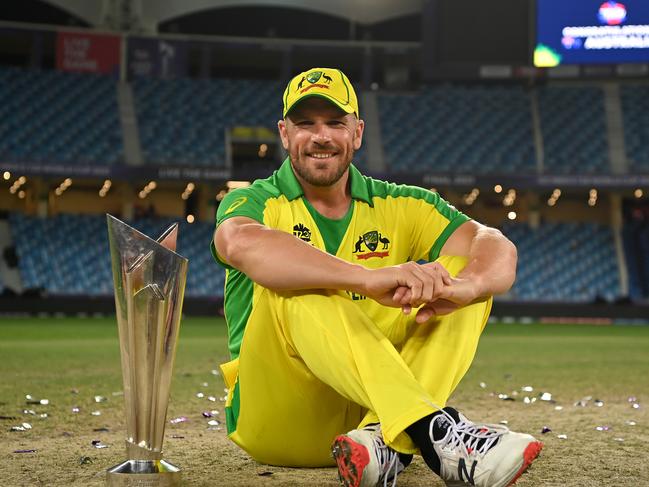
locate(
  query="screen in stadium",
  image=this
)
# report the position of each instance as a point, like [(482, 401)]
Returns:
[(591, 32)]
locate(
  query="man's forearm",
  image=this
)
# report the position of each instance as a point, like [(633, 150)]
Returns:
[(492, 262), (279, 261)]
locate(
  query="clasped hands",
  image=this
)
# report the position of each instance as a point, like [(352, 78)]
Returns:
[(428, 287)]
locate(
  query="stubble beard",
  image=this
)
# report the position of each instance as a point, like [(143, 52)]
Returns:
[(319, 180)]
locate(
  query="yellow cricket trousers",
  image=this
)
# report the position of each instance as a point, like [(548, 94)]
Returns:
[(313, 365)]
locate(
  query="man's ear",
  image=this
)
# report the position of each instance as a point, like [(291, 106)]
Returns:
[(358, 134), (283, 133)]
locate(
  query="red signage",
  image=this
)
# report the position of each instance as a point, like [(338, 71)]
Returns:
[(88, 53)]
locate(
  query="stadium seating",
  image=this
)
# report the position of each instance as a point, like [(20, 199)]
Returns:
[(68, 254), (635, 109), (458, 129), (564, 262), (184, 121), (573, 125), (50, 117)]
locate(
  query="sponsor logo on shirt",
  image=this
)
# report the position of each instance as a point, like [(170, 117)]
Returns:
[(236, 204), (302, 232)]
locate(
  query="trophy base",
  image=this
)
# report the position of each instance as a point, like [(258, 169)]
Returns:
[(143, 473)]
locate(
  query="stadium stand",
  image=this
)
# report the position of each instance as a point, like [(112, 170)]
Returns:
[(635, 110), (573, 124), (183, 121), (68, 254), (50, 117), (458, 129), (565, 262)]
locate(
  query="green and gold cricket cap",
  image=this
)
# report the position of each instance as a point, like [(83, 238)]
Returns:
[(328, 83)]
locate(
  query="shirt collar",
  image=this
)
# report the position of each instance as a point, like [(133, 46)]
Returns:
[(290, 186)]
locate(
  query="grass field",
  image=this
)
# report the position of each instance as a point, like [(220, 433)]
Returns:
[(70, 361)]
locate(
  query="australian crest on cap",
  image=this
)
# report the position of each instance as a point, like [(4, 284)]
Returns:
[(314, 76)]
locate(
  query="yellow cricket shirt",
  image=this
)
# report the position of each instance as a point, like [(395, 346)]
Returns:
[(387, 224)]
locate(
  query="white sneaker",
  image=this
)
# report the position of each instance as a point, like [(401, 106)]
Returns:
[(484, 455), (364, 460)]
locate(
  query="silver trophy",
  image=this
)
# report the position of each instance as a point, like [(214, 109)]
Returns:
[(149, 281)]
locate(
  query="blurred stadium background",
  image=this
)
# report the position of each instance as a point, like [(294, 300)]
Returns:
[(153, 110)]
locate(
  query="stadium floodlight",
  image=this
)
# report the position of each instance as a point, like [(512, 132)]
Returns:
[(470, 198), (150, 186), (189, 189), (237, 184), (509, 198), (105, 188)]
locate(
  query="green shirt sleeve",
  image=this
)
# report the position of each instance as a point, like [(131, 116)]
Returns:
[(240, 202), (436, 220)]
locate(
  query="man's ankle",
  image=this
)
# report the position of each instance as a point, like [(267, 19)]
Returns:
[(419, 432)]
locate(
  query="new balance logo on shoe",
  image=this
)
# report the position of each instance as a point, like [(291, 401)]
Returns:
[(483, 455), (464, 474)]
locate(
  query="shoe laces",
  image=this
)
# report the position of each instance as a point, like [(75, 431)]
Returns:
[(470, 438), (388, 458)]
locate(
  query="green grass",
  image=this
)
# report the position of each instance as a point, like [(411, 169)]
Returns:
[(69, 361), (50, 357), (611, 359)]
